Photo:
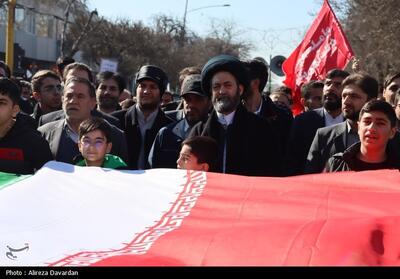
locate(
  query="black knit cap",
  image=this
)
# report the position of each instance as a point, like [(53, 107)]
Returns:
[(226, 63), (192, 85), (155, 74)]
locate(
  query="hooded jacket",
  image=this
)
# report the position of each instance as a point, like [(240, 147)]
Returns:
[(23, 150), (348, 161)]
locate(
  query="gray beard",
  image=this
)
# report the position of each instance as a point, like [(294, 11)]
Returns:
[(226, 105)]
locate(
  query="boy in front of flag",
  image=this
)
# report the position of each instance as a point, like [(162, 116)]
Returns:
[(22, 149), (376, 126), (95, 143), (198, 153)]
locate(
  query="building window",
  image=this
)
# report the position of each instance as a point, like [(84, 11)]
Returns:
[(20, 23), (50, 30), (42, 25), (3, 15), (30, 22)]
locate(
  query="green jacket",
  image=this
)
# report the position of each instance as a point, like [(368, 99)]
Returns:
[(110, 162)]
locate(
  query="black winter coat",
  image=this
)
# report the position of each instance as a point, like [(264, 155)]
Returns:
[(347, 161), (23, 150), (252, 146), (130, 124)]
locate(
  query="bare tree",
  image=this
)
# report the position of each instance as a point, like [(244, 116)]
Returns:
[(372, 28), (132, 44), (66, 19)]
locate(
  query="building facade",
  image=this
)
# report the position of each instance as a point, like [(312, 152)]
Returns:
[(38, 29)]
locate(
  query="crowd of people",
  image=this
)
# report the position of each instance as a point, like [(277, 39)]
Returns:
[(223, 122)]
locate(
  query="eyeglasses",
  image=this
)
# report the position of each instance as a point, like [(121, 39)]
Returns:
[(52, 88), (98, 143)]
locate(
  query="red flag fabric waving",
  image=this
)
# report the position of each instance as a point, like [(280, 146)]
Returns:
[(324, 47)]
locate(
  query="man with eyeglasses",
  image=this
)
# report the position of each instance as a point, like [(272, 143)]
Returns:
[(46, 89), (78, 100)]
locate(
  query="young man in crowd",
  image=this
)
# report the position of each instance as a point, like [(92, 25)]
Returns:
[(390, 87), (22, 149), (377, 125), (311, 95), (142, 121), (274, 114), (47, 89), (357, 90), (109, 88), (306, 124), (397, 108)]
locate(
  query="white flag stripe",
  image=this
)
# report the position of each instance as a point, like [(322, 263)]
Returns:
[(85, 209)]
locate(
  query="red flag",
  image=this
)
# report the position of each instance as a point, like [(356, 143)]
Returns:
[(324, 47)]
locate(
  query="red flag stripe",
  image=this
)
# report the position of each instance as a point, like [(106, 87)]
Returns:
[(345, 218)]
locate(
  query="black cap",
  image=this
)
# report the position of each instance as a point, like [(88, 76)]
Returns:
[(226, 63), (192, 85), (155, 74)]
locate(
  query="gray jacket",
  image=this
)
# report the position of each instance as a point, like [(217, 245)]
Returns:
[(327, 142), (53, 132)]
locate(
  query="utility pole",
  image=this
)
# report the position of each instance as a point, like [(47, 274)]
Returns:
[(10, 34), (269, 75), (183, 33)]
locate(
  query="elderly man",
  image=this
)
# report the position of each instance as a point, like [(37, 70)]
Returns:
[(78, 100), (247, 145), (77, 70)]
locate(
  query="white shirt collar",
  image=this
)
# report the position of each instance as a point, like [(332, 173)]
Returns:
[(70, 132), (329, 120), (258, 111), (150, 119), (226, 119)]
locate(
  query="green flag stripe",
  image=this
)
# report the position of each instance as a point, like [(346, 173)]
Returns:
[(7, 179)]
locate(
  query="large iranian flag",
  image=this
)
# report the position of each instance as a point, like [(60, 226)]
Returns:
[(78, 216)]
